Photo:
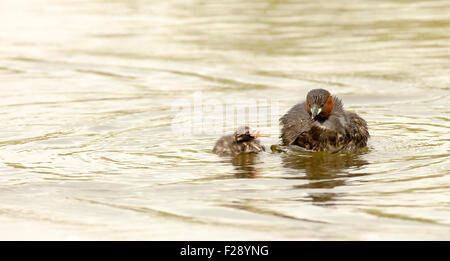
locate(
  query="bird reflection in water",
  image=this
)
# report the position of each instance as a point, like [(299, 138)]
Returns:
[(245, 165), (323, 170)]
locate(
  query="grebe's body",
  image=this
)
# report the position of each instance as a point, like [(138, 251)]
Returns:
[(321, 124), (242, 141)]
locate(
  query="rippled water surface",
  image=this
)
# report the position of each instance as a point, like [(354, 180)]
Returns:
[(94, 144)]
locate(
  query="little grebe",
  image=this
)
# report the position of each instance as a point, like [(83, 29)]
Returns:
[(321, 124), (242, 141)]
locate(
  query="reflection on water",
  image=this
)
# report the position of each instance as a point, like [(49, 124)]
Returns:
[(246, 165), (323, 165), (323, 170)]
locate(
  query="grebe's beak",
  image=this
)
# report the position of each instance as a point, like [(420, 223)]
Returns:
[(315, 111)]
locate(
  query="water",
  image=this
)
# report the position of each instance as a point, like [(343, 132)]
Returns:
[(93, 146)]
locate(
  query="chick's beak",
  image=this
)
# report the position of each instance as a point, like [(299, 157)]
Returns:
[(255, 134)]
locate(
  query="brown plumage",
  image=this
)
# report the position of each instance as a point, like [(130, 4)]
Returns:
[(321, 124), (243, 140)]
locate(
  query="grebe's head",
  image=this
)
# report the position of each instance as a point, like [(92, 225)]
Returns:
[(245, 133), (319, 104)]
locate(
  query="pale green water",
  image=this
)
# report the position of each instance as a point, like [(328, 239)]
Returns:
[(87, 148)]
